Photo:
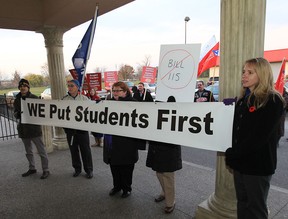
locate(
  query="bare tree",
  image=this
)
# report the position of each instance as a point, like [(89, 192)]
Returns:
[(45, 73), (125, 73), (145, 62), (16, 78)]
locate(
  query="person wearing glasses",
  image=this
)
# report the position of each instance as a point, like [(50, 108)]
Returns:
[(252, 159), (30, 133), (203, 95), (78, 139), (120, 152)]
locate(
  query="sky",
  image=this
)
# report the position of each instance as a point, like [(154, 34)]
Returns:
[(130, 33)]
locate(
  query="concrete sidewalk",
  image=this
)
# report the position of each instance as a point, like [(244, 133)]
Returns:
[(62, 196)]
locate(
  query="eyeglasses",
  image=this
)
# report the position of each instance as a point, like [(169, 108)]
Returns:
[(116, 91), (70, 85)]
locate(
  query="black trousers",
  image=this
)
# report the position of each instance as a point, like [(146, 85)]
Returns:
[(80, 143), (251, 192), (122, 176)]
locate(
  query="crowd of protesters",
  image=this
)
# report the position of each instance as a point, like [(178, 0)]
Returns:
[(251, 159)]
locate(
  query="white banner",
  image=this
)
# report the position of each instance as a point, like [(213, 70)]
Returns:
[(200, 125)]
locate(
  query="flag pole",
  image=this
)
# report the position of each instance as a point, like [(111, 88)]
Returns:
[(90, 44)]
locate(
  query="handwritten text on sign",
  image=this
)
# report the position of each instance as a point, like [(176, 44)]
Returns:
[(177, 72)]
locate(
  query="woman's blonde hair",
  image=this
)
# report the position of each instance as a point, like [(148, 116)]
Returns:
[(265, 87)]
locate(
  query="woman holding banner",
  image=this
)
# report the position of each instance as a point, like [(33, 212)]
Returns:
[(165, 159), (121, 152), (253, 155)]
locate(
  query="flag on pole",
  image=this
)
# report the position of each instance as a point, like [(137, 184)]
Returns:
[(207, 46), (209, 60), (279, 85), (81, 55)]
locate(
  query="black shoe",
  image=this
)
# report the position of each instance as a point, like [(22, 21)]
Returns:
[(169, 210), (89, 175), (160, 198), (77, 173), (125, 194), (29, 172), (45, 174), (114, 191)]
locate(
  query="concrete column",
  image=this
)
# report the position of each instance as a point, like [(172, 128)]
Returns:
[(54, 44), (47, 138), (241, 37)]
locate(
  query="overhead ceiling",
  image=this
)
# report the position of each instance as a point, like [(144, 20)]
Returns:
[(32, 15)]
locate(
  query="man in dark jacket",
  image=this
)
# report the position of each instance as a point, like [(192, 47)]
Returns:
[(203, 95), (142, 94), (30, 133)]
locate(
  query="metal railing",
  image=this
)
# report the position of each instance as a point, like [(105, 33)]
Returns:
[(8, 124)]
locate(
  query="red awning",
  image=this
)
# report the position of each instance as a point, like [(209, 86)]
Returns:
[(276, 55)]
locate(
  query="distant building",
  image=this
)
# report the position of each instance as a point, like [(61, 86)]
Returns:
[(275, 58), (6, 84)]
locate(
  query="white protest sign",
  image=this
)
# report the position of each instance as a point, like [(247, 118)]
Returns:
[(200, 125), (177, 72)]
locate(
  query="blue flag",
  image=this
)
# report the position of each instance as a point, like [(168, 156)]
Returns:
[(82, 53)]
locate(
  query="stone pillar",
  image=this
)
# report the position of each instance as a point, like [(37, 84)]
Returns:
[(241, 37), (54, 44), (47, 138)]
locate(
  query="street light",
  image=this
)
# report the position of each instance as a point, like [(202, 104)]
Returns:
[(186, 19)]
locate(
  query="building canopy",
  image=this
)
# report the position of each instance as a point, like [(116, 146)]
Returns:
[(33, 15)]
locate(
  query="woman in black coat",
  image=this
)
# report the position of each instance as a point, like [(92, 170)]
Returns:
[(121, 152), (165, 159), (253, 156)]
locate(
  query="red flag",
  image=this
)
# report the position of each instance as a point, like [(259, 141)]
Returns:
[(209, 60), (279, 85)]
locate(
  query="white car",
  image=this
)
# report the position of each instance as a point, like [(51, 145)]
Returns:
[(10, 97), (150, 86), (46, 94)]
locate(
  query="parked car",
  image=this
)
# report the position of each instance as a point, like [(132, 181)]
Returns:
[(150, 86), (153, 94), (102, 94), (130, 84), (46, 94), (214, 88), (212, 80), (10, 97), (286, 86)]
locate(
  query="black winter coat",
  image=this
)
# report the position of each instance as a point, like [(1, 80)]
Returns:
[(148, 97), (164, 157), (255, 137), (120, 150), (25, 130)]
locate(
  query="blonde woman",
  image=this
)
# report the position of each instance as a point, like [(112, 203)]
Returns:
[(253, 156)]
